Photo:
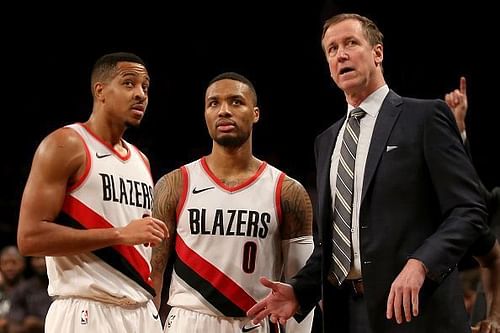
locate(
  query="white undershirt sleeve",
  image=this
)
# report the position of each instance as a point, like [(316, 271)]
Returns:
[(296, 251)]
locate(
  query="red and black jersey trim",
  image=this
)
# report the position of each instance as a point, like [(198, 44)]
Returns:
[(216, 287), (211, 294), (123, 258)]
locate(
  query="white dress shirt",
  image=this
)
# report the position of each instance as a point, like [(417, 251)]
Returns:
[(371, 105)]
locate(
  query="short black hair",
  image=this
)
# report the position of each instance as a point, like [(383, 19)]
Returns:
[(236, 77), (105, 65)]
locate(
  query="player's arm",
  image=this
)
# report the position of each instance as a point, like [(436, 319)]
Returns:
[(167, 193), (296, 207), (59, 162), (297, 241), (296, 226)]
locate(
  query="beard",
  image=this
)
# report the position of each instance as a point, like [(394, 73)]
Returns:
[(230, 141)]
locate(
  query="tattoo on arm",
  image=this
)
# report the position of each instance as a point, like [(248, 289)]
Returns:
[(167, 193), (297, 210)]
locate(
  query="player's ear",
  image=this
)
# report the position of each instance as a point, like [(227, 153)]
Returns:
[(256, 113), (98, 90)]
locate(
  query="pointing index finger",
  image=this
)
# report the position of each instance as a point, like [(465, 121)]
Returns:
[(463, 85)]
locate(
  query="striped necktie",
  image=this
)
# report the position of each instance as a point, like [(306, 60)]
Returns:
[(344, 188)]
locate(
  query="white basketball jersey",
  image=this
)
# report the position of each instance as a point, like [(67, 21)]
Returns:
[(113, 191), (227, 237)]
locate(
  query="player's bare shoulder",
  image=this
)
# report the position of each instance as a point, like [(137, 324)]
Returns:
[(62, 141), (61, 153), (296, 210)]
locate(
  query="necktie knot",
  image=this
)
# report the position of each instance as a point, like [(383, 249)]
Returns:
[(357, 113)]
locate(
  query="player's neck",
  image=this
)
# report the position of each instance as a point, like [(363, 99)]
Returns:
[(230, 162), (106, 131)]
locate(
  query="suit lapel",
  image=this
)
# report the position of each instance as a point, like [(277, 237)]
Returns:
[(324, 150), (386, 119)]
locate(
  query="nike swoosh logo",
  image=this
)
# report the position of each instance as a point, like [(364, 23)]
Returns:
[(248, 329), (156, 316), (102, 155), (195, 191)]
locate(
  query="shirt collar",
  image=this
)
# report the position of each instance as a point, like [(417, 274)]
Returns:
[(371, 105)]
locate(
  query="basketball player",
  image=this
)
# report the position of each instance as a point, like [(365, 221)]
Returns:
[(236, 218), (86, 206)]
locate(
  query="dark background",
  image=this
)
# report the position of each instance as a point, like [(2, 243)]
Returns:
[(48, 52)]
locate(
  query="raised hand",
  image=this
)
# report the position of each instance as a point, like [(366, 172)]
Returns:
[(457, 101)]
